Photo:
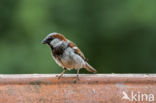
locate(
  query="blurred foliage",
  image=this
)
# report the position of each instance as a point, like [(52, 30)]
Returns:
[(117, 36)]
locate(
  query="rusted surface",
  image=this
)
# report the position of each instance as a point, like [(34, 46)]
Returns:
[(96, 88)]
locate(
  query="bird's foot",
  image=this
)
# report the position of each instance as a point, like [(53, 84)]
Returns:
[(77, 77), (59, 76)]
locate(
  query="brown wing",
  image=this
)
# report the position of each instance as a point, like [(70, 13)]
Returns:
[(77, 50)]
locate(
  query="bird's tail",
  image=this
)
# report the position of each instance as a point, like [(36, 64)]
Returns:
[(89, 68)]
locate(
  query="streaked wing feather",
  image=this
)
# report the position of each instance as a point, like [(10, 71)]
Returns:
[(77, 50)]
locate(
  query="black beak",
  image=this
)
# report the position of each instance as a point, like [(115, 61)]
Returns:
[(44, 41)]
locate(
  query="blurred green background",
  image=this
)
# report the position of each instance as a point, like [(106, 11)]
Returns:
[(117, 36)]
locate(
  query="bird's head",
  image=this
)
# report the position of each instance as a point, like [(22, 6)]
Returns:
[(54, 39)]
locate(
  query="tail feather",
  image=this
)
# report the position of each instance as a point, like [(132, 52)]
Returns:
[(89, 68)]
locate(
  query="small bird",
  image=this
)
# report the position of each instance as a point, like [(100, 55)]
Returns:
[(66, 54)]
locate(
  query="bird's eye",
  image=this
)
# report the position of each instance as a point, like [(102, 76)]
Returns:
[(49, 39)]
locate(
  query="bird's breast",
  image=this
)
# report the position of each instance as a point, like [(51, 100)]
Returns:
[(58, 51)]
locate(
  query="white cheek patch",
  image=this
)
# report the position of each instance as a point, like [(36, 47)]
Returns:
[(56, 42)]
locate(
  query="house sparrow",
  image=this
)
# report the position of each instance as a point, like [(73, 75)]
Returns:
[(66, 54)]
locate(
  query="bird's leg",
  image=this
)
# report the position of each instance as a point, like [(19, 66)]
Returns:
[(62, 73), (78, 74)]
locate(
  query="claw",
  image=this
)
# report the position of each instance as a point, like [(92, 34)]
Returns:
[(58, 76), (77, 77)]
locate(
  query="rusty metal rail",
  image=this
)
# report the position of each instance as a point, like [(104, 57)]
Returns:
[(96, 88)]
